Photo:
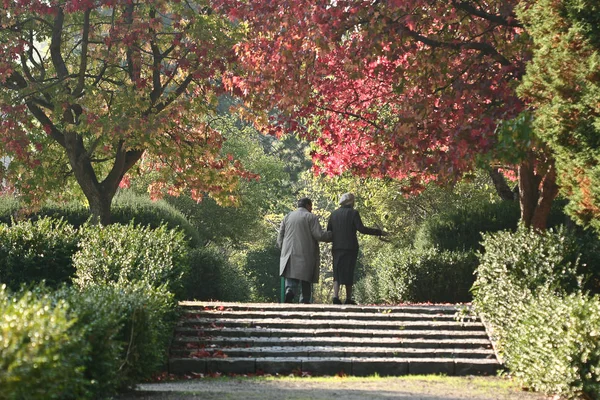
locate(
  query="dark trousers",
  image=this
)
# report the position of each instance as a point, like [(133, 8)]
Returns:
[(291, 285)]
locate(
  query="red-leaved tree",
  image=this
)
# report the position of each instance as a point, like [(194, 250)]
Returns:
[(90, 89), (412, 90)]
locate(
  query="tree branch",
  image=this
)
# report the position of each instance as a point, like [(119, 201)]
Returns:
[(56, 43), (84, 47), (497, 19)]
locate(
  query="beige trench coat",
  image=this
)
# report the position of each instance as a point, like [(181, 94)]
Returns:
[(299, 236)]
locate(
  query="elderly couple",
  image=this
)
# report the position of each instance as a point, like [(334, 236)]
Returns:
[(298, 239)]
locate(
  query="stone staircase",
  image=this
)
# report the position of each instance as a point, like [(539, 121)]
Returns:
[(318, 339)]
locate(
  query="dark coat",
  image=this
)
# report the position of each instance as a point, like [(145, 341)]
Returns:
[(344, 223), (299, 237)]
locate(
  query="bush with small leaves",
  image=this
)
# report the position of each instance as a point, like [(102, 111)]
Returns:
[(42, 355), (546, 327), (409, 275), (130, 253), (31, 252)]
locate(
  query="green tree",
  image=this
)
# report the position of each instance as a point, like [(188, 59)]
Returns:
[(92, 89), (563, 85)]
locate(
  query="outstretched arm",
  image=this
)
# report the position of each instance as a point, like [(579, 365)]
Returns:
[(365, 229)]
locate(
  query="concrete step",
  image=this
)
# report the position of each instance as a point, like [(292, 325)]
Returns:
[(253, 338), (226, 322), (391, 366), (331, 351), (201, 331)]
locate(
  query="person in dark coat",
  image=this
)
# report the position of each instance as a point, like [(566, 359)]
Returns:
[(344, 223)]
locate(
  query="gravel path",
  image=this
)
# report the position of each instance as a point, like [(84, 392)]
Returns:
[(415, 388)]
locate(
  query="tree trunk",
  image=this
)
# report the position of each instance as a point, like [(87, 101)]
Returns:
[(502, 188), (98, 194), (100, 209), (535, 200)]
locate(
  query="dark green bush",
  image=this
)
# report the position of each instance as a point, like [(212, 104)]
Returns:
[(127, 206), (204, 279), (262, 266), (128, 328), (9, 209), (34, 251), (460, 229), (545, 326), (131, 253), (70, 344), (408, 275), (41, 355)]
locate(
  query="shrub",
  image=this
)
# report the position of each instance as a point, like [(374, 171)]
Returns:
[(262, 266), (34, 251), (128, 328), (127, 207), (553, 345), (9, 209), (461, 229), (408, 275), (546, 328), (41, 355), (204, 279), (129, 253)]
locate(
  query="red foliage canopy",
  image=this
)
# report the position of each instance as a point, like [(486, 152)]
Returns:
[(411, 90)]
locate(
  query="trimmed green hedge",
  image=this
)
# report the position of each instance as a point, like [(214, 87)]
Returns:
[(34, 251), (42, 355), (409, 275), (127, 207), (546, 327), (121, 254), (88, 344), (460, 229)]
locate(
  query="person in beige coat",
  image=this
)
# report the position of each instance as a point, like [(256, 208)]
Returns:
[(299, 236)]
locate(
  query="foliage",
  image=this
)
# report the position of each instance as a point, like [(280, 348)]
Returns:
[(91, 90), (562, 84), (387, 88), (122, 254), (408, 275), (71, 344), (529, 290), (262, 268), (212, 277), (461, 228), (146, 318), (37, 251), (553, 346), (243, 223), (127, 207), (143, 211), (41, 355)]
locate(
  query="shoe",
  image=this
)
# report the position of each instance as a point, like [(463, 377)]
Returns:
[(336, 300), (350, 302), (289, 296)]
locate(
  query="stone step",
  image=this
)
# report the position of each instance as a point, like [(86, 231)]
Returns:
[(201, 331), (334, 366), (329, 339), (331, 351), (225, 322), (319, 315), (375, 309)]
